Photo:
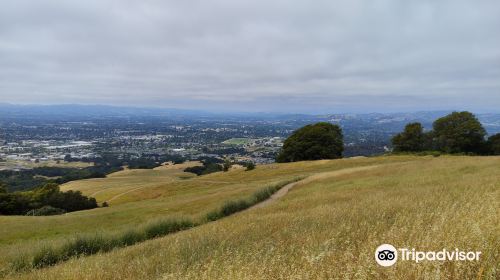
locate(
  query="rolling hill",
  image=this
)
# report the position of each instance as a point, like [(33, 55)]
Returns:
[(327, 226)]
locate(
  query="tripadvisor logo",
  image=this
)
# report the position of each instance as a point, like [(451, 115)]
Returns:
[(387, 255)]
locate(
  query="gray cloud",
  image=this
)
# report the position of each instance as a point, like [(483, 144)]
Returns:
[(306, 56)]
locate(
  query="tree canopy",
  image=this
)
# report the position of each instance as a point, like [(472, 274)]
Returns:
[(493, 144), (19, 203), (313, 142), (412, 139), (459, 132)]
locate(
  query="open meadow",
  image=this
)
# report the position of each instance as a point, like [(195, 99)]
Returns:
[(326, 227)]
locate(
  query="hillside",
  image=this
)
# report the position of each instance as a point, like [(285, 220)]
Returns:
[(327, 226)]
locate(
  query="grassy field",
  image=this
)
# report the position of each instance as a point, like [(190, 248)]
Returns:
[(131, 184), (9, 164), (237, 141), (328, 226)]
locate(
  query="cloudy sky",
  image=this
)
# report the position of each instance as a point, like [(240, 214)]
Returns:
[(255, 55)]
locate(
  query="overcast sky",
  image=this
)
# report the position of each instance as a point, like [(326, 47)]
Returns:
[(257, 55)]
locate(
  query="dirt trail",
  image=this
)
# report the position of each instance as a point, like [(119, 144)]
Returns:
[(124, 193), (324, 175)]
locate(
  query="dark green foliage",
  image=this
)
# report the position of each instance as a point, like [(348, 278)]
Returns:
[(250, 166), (456, 133), (232, 207), (493, 144), (264, 194), (227, 165), (46, 211), (45, 257), (412, 139), (459, 132), (104, 204), (85, 245), (207, 168), (29, 179), (3, 188), (19, 203), (211, 168), (130, 237), (313, 142), (161, 228)]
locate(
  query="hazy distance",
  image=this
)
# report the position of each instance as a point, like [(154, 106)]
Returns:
[(273, 56)]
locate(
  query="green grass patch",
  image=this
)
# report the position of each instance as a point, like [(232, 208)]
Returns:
[(237, 141), (85, 245)]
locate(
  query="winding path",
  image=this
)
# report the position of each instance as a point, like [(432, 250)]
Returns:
[(324, 175)]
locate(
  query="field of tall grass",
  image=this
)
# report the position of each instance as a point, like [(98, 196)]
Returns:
[(193, 198), (328, 228), (85, 245)]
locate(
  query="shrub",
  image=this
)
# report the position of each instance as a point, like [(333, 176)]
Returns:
[(232, 207), (227, 165), (45, 257), (85, 245), (130, 237), (213, 216), (207, 168), (104, 204), (164, 227), (250, 166), (264, 194)]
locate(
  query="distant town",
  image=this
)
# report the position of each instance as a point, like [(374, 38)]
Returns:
[(57, 139)]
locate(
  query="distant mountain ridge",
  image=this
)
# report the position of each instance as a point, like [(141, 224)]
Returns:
[(491, 121)]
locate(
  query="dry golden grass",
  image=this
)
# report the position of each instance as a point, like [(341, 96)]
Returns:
[(163, 194), (329, 227), (50, 163)]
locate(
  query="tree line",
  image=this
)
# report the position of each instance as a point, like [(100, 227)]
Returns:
[(44, 200), (456, 133)]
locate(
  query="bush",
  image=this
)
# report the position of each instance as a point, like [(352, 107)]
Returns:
[(161, 228), (86, 245), (131, 237), (207, 168), (227, 165), (264, 194), (45, 257), (46, 211), (104, 204), (232, 207), (250, 166)]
